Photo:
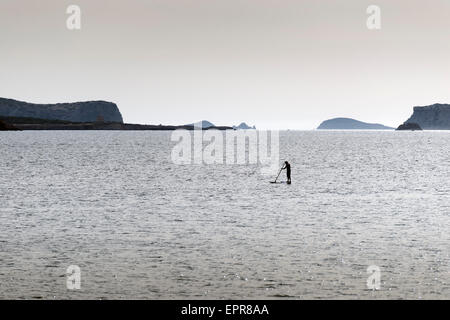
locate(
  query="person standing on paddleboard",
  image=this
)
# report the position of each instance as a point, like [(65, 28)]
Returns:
[(287, 166)]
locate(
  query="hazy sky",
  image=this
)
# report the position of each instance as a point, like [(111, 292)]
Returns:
[(272, 63)]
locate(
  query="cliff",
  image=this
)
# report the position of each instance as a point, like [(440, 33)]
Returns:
[(90, 111), (350, 124), (433, 117)]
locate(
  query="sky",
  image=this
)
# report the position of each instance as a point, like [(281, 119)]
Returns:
[(276, 64)]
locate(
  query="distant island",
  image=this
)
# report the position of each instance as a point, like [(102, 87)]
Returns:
[(350, 124), (243, 126), (433, 117), (204, 124)]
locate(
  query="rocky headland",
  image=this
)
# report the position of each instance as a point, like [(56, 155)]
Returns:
[(433, 117), (409, 126), (90, 111)]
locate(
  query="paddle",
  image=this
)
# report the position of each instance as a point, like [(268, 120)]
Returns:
[(276, 177)]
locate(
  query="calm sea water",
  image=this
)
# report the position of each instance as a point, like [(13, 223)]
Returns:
[(141, 227)]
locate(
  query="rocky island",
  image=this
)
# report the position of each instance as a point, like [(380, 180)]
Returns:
[(350, 124), (433, 117)]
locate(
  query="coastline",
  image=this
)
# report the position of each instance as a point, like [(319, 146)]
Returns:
[(108, 126), (18, 123)]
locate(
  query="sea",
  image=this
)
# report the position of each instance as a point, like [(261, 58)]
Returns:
[(109, 215)]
